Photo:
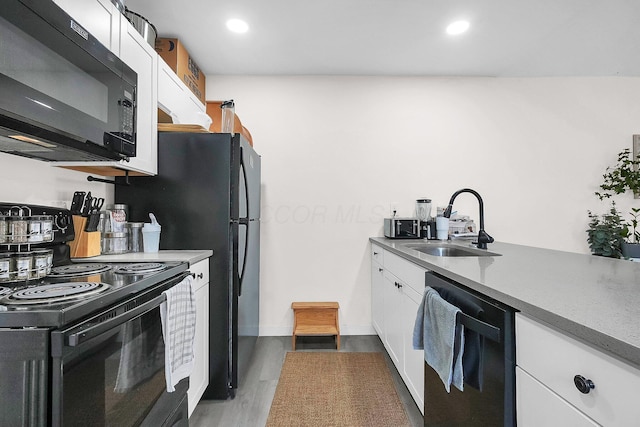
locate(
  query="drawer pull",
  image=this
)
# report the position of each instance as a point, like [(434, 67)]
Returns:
[(583, 384), (397, 285), (380, 270), (200, 276)]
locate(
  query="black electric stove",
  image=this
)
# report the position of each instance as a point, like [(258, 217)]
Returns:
[(84, 345), (76, 290)]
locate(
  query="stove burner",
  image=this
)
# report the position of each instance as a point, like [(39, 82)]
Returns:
[(56, 292), (5, 291), (83, 269), (139, 268)]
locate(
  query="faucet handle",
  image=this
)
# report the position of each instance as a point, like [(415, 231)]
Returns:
[(483, 239)]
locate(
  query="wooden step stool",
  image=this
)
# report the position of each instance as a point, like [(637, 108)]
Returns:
[(315, 318)]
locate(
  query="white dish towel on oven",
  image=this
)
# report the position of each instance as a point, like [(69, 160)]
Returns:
[(178, 315)]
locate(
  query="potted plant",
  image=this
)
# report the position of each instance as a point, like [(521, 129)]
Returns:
[(625, 175), (606, 233), (631, 246), (609, 234)]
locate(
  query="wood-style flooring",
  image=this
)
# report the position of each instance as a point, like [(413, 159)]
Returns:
[(250, 408)]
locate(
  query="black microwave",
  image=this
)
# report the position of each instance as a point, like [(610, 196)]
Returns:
[(63, 95)]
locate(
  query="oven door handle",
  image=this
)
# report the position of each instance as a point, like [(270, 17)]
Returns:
[(77, 338)]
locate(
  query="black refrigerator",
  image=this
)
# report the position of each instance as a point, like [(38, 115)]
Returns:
[(207, 196)]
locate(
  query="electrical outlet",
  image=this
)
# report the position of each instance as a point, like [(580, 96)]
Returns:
[(393, 209)]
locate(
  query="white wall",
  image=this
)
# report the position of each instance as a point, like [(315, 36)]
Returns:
[(37, 182), (338, 150)]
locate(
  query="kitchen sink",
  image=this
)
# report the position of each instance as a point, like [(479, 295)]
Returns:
[(449, 250)]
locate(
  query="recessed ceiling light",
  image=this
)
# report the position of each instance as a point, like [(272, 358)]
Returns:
[(457, 27), (237, 26)]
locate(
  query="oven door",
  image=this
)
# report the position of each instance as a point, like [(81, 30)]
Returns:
[(109, 370)]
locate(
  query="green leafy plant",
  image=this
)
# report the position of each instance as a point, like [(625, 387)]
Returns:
[(625, 175), (606, 233), (633, 235)]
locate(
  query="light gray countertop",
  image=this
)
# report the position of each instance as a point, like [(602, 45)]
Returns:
[(191, 256), (593, 298)]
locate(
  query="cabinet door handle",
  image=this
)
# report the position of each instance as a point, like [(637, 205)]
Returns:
[(583, 384), (397, 285), (380, 270), (375, 253)]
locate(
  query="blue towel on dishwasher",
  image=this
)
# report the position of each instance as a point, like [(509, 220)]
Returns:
[(435, 332)]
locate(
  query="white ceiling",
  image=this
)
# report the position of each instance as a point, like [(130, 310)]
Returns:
[(405, 37)]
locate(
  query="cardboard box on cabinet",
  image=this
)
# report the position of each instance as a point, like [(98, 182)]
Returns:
[(177, 57)]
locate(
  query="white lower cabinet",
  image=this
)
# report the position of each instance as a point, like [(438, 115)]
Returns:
[(413, 359), (377, 298), (199, 379), (392, 312), (537, 405), (549, 364), (396, 292)]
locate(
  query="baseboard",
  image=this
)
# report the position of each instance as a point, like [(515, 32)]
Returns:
[(283, 331)]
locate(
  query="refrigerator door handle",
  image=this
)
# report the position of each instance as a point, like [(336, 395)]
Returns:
[(243, 168), (244, 221)]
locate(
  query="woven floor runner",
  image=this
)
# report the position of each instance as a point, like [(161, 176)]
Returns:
[(336, 389)]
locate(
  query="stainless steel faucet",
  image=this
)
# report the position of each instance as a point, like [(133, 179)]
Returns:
[(483, 237)]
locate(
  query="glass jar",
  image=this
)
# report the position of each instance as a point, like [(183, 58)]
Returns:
[(47, 228), (23, 265), (117, 216), (114, 243), (5, 267), (42, 260), (34, 229), (135, 236), (228, 117), (18, 229), (4, 229)]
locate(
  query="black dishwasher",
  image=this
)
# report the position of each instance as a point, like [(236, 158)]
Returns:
[(488, 358)]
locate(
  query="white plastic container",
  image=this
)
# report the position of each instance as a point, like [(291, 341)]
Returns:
[(151, 235), (442, 228)]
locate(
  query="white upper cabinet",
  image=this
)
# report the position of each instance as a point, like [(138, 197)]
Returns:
[(175, 99), (143, 59), (100, 17)]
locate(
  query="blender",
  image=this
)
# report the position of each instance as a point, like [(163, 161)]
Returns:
[(427, 224)]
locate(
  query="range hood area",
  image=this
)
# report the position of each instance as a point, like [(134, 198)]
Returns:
[(65, 96), (39, 143)]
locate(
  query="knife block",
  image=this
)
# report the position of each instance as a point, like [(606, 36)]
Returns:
[(86, 244)]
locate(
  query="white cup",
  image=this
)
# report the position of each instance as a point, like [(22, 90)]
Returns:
[(151, 237), (442, 228)]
